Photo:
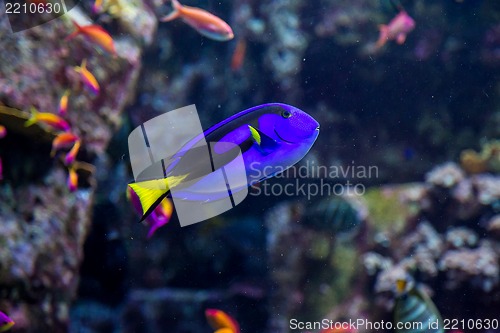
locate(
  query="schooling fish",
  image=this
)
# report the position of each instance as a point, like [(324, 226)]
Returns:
[(72, 181), (221, 322), (63, 103), (63, 140), (88, 78), (239, 54), (5, 322), (414, 305), (71, 155), (96, 34), (97, 6), (48, 119), (397, 29), (271, 138), (202, 21), (158, 218)]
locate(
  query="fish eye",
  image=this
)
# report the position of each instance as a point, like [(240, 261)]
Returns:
[(286, 114)]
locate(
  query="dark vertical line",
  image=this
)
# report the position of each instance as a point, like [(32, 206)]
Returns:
[(210, 154), (147, 143), (163, 167), (228, 187), (230, 194)]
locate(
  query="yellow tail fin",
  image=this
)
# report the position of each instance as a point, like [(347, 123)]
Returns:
[(152, 192), (33, 118)]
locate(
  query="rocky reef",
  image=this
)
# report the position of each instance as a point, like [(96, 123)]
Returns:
[(44, 227)]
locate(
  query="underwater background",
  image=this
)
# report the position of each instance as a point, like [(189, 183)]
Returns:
[(409, 141)]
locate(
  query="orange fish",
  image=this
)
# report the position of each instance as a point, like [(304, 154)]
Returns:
[(71, 156), (97, 6), (72, 180), (96, 34), (221, 322), (48, 119), (63, 140), (202, 21), (63, 103), (239, 54), (88, 78), (397, 29)]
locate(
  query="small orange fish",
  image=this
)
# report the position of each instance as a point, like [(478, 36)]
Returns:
[(97, 6), (202, 21), (63, 140), (48, 119), (96, 34), (159, 217), (162, 214), (71, 155), (63, 103), (221, 322), (397, 29), (239, 55), (88, 78), (72, 180), (3, 131)]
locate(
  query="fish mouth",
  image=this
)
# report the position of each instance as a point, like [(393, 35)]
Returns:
[(281, 138)]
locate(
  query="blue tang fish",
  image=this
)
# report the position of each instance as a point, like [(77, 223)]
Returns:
[(270, 138)]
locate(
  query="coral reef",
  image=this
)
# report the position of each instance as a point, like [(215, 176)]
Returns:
[(43, 226), (487, 160), (478, 267), (445, 247), (285, 53), (44, 234)]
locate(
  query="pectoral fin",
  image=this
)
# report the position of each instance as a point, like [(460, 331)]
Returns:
[(265, 142)]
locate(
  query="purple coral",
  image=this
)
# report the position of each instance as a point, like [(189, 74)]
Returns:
[(478, 266)]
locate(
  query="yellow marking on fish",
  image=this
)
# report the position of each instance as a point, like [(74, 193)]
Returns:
[(255, 135)]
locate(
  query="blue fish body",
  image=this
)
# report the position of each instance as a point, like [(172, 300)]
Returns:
[(270, 138)]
